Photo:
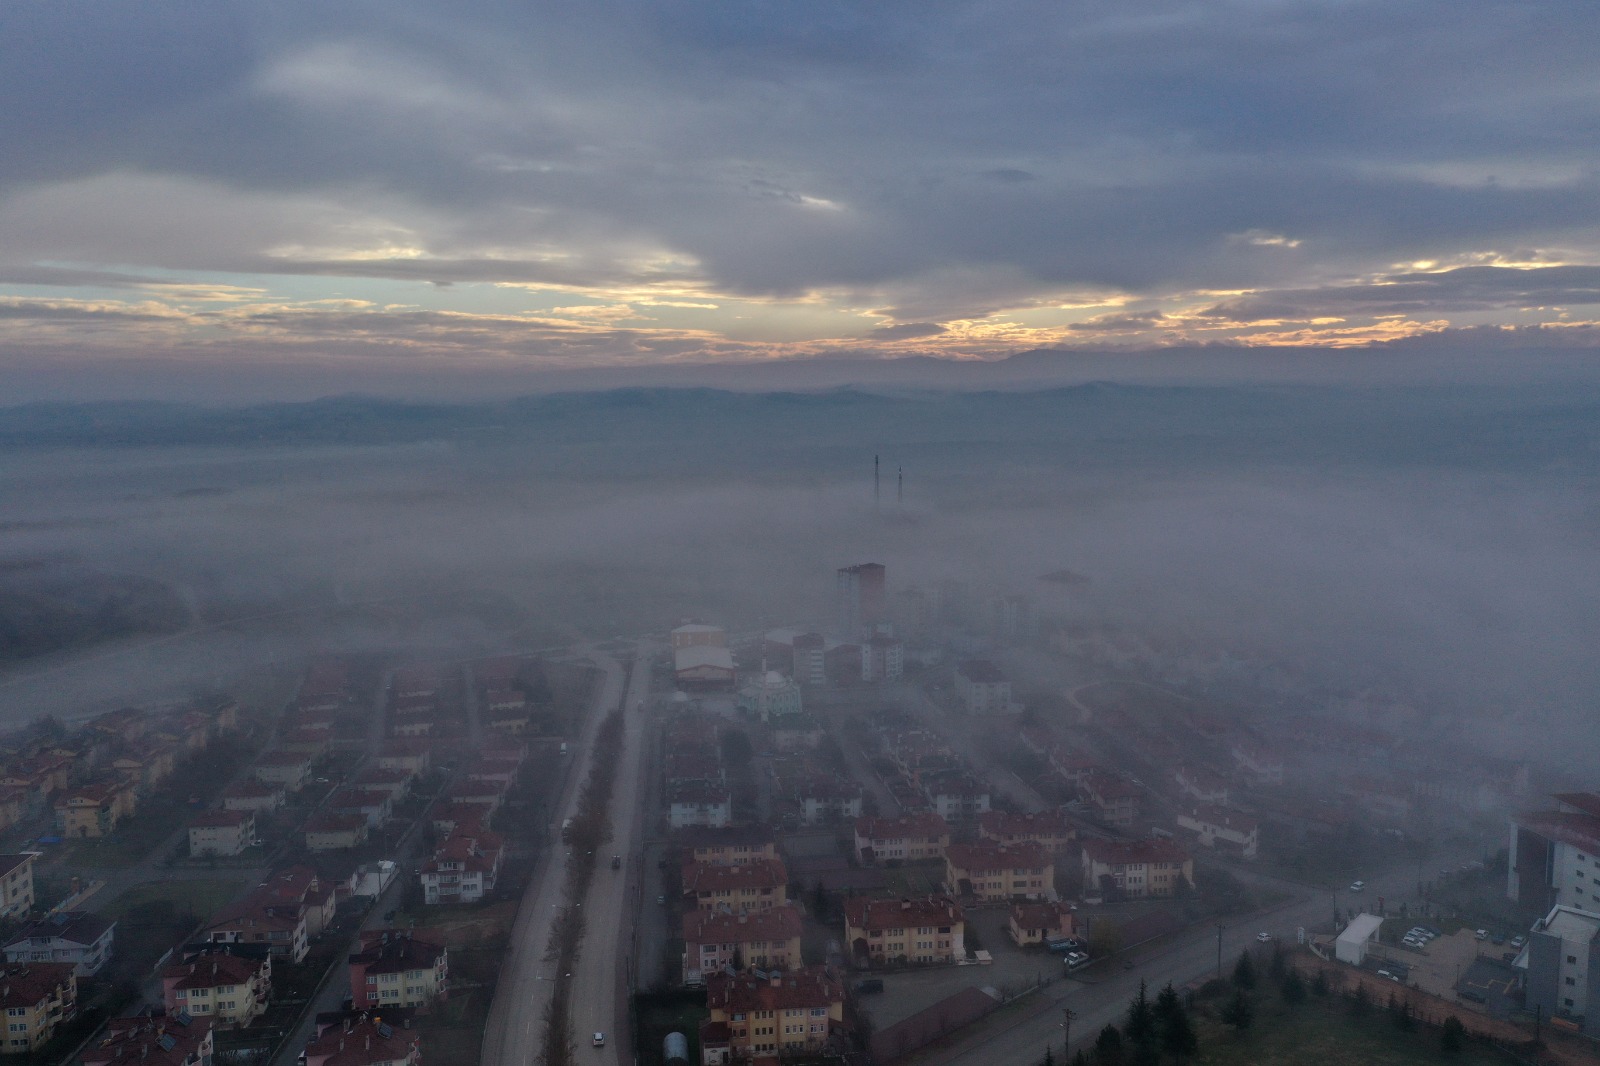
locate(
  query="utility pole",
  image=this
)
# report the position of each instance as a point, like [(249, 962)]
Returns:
[(1067, 1014)]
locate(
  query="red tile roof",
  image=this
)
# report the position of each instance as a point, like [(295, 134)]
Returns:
[(882, 914)]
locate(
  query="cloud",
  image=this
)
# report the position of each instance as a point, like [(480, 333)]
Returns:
[(907, 331), (1121, 321)]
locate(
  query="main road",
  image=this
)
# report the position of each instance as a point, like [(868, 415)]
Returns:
[(515, 1029)]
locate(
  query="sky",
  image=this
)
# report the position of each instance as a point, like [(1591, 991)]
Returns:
[(223, 186)]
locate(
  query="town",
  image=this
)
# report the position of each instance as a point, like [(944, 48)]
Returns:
[(949, 824)]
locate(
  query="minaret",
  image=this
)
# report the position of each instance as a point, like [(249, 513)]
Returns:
[(899, 486), (875, 495)]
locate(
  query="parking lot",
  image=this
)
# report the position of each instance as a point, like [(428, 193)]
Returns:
[(1437, 967)]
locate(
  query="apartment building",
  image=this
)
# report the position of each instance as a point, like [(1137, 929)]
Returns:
[(1138, 869), (909, 838), (757, 1016), (464, 869), (221, 832), (81, 940), (1222, 829), (37, 997), (1049, 829), (364, 1040), (1563, 960), (880, 932), (1034, 923), (232, 990), (752, 886), (691, 803), (994, 872), (397, 968), (16, 884), (765, 939), (983, 689), (729, 845), (163, 1040)]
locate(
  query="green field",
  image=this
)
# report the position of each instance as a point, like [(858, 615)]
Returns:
[(1321, 1031), (198, 897)]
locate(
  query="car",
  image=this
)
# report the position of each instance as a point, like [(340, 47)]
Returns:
[(616, 862), (1074, 959), (661, 899), (599, 1040), (1263, 937), (1518, 941), (1498, 938), (1357, 886), (1481, 934)]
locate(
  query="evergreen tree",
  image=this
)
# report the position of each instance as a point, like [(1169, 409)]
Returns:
[(1244, 972), (1178, 1037), (1141, 1026), (1292, 988), (1108, 1047), (1361, 1002), (1452, 1036), (1399, 1012), (1277, 966), (1080, 1059), (1319, 983), (1239, 1012), (1049, 1058)]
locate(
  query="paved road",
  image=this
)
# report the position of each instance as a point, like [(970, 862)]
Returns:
[(515, 1025), (1099, 995)]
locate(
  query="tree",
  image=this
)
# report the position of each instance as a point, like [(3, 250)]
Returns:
[(1080, 1059), (1049, 1058), (1244, 972), (1177, 1033), (1319, 983), (1276, 966), (1292, 988), (1141, 1024), (1399, 1012), (1239, 1012), (1361, 1002), (1108, 1047), (1452, 1036)]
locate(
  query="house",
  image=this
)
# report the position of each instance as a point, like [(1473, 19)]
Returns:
[(693, 804), (299, 890), (376, 805), (397, 968), (281, 929), (766, 939), (704, 667), (910, 838), (291, 769), (16, 884), (77, 938), (395, 782), (753, 886), (221, 832), (334, 832), (471, 817), (1563, 966), (983, 688), (1034, 923), (464, 868), (1138, 869), (230, 989), (1223, 829), (729, 845), (1114, 799), (154, 1040), (994, 872), (1049, 829), (364, 1040), (758, 1017), (252, 794), (489, 795), (1200, 785), (881, 932), (37, 998)]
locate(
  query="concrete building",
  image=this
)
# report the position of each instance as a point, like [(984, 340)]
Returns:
[(758, 1018), (955, 795), (910, 838), (364, 1040), (1114, 799), (253, 795), (16, 884), (1049, 829), (37, 997), (1137, 869), (397, 968), (291, 769), (728, 846), (221, 832), (1554, 855), (751, 886), (464, 868), (232, 990), (81, 940), (703, 667), (335, 832), (883, 658), (881, 932), (1351, 944), (1563, 966), (810, 659), (767, 940), (93, 811), (1222, 829), (994, 872), (859, 598), (983, 689)]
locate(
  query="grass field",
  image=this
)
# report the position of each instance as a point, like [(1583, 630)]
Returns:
[(200, 897), (916, 879), (1321, 1031)]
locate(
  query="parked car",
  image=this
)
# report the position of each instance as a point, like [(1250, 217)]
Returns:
[(1075, 959), (1358, 886), (1263, 937), (869, 985), (1482, 934), (1518, 941)]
